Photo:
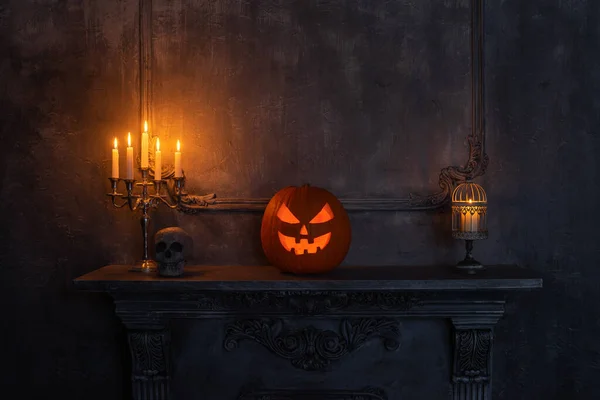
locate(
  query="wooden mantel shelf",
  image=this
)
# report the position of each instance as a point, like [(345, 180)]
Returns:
[(369, 301), (114, 278)]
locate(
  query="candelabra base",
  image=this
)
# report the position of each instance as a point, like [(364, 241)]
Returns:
[(145, 266)]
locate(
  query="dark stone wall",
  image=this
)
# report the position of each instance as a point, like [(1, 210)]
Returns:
[(68, 71), (268, 94), (69, 74), (543, 121)]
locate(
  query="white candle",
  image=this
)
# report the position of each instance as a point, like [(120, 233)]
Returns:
[(475, 222), (470, 221), (145, 146), (115, 161), (178, 170), (157, 162), (470, 218), (129, 171)]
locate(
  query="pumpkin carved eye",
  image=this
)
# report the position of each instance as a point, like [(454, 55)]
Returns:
[(285, 215), (325, 215)]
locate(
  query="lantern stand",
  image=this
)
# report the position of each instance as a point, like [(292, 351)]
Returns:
[(469, 263), (469, 221)]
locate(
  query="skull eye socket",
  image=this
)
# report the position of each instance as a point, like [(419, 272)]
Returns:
[(176, 246), (325, 215), (285, 215), (160, 247)]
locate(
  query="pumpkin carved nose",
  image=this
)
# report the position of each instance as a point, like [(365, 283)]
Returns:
[(304, 231)]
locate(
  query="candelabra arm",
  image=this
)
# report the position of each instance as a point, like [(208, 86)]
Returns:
[(134, 202), (115, 204), (131, 199), (179, 193), (114, 182), (165, 201)]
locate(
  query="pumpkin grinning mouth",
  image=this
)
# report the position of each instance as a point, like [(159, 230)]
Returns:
[(303, 246)]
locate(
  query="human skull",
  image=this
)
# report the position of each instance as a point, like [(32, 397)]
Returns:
[(172, 247)]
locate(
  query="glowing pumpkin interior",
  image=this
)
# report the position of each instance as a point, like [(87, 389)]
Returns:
[(303, 243)]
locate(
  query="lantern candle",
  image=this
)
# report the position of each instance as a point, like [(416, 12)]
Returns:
[(144, 155), (178, 170), (129, 170), (157, 162), (473, 225), (115, 161)]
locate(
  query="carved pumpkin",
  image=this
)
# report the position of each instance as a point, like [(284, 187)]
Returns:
[(305, 230)]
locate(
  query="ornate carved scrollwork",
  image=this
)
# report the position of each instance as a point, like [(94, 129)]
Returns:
[(473, 348), (368, 393), (303, 302), (471, 378), (150, 364), (313, 349)]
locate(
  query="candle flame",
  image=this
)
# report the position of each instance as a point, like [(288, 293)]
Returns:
[(129, 139), (157, 144), (145, 126), (116, 143), (178, 146)]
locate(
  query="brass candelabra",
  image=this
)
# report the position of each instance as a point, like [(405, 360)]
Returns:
[(145, 201)]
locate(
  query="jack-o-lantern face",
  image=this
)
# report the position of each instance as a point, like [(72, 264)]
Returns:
[(301, 244), (305, 230)]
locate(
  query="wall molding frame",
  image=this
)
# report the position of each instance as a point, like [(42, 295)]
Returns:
[(449, 177)]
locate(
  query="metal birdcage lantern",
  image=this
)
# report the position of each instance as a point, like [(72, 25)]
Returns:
[(469, 220)]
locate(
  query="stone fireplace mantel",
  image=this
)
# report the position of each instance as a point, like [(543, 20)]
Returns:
[(367, 302)]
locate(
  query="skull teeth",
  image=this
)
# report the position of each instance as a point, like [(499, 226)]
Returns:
[(169, 264)]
